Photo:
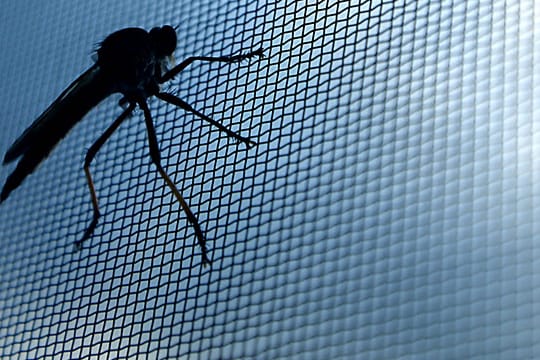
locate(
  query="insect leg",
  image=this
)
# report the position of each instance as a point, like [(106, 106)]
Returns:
[(156, 159), (170, 98), (88, 159), (227, 59)]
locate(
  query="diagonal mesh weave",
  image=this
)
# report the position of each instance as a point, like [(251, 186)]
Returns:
[(391, 208)]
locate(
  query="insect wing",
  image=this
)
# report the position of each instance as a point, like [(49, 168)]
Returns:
[(46, 123)]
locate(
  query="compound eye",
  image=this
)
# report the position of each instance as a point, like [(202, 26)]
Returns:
[(164, 39)]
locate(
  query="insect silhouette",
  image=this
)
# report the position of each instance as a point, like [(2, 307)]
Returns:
[(133, 62)]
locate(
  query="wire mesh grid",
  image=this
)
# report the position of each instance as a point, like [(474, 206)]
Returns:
[(389, 210)]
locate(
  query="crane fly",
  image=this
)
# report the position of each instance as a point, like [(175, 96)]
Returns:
[(133, 62)]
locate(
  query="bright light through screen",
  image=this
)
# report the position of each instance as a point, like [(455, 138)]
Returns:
[(390, 209)]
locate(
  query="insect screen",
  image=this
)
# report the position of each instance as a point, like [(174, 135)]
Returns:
[(390, 209)]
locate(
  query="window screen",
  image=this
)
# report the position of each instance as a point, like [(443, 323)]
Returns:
[(391, 208)]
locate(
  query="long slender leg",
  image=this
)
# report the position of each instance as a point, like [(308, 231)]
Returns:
[(170, 98), (227, 59), (156, 159), (88, 159)]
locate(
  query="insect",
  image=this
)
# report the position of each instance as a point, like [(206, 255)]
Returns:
[(133, 62)]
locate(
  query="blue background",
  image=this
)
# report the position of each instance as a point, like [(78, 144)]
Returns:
[(390, 210)]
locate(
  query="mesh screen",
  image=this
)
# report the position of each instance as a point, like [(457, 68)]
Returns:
[(390, 210)]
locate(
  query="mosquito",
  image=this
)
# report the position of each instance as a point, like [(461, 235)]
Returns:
[(133, 62)]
